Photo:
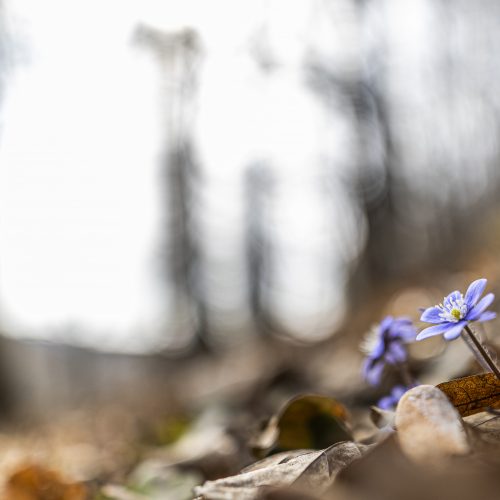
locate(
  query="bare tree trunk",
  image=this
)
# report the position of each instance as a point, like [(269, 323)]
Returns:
[(259, 186), (179, 56)]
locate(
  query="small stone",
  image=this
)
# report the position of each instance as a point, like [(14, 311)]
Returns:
[(429, 427)]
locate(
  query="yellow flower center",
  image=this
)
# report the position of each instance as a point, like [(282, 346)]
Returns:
[(456, 313)]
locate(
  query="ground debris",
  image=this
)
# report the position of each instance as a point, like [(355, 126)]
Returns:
[(429, 427), (307, 471)]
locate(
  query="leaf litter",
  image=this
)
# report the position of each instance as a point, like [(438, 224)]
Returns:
[(439, 437)]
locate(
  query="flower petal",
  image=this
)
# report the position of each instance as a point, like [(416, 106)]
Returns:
[(434, 330), (475, 290), (390, 401), (386, 403), (373, 372), (401, 322), (487, 316), (378, 350), (402, 329), (396, 353), (455, 331), (408, 334), (385, 323), (480, 307), (431, 315), (451, 298), (398, 391)]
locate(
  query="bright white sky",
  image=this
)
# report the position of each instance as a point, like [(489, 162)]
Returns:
[(80, 201)]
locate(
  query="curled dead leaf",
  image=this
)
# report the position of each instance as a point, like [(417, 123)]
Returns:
[(382, 418), (473, 394), (305, 470), (306, 422), (428, 427)]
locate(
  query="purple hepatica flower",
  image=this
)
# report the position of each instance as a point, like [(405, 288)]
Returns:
[(457, 311), (390, 401), (386, 345)]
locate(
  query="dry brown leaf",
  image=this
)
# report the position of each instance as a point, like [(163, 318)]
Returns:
[(428, 427), (385, 473), (382, 418), (309, 470), (36, 483), (473, 394), (308, 421)]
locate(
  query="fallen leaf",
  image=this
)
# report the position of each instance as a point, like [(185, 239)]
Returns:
[(37, 483), (429, 427), (171, 429), (306, 422), (275, 459), (384, 473), (154, 481), (116, 492), (382, 418), (309, 469), (473, 394)]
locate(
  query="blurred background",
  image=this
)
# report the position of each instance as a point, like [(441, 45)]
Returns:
[(194, 193)]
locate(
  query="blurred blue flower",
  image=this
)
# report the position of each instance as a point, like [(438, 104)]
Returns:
[(386, 345), (456, 311), (390, 401)]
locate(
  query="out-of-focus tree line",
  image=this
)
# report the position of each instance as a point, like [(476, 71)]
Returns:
[(311, 160), (418, 94)]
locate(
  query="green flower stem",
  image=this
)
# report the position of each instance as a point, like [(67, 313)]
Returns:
[(482, 352)]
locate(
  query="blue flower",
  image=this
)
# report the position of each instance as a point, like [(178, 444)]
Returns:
[(390, 401), (457, 311), (387, 346)]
